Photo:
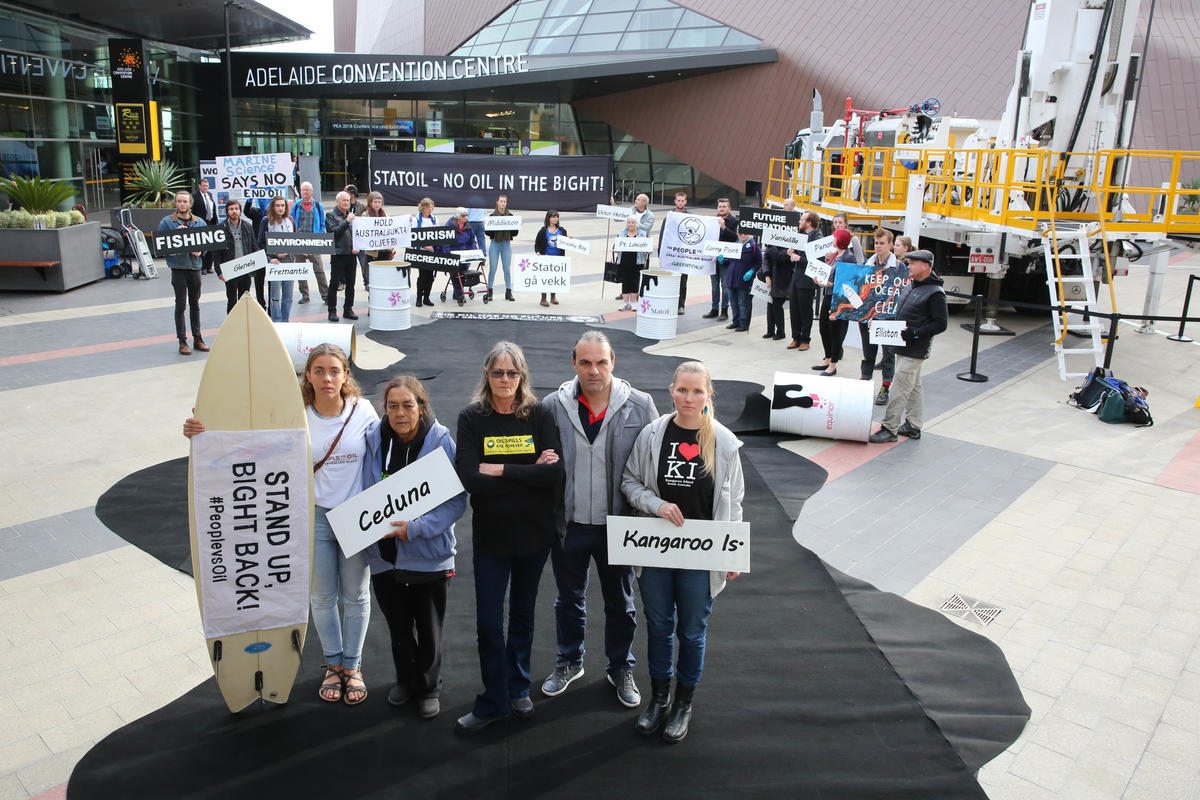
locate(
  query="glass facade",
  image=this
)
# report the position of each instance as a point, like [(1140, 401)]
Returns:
[(552, 27), (639, 167), (56, 117), (341, 132)]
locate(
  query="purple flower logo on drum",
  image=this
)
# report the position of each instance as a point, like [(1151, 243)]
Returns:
[(524, 264), (645, 306), (394, 298)]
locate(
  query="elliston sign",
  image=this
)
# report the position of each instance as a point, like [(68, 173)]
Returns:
[(316, 74)]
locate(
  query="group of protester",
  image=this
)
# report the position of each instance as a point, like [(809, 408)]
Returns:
[(542, 478)]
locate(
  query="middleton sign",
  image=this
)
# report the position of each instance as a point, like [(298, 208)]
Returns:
[(267, 74)]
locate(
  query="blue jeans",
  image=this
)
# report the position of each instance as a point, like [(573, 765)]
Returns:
[(281, 300), (571, 561), (336, 577), (504, 662), (718, 286), (500, 252), (739, 305), (675, 602), (480, 237)]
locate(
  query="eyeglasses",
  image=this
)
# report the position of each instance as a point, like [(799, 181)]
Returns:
[(511, 374)]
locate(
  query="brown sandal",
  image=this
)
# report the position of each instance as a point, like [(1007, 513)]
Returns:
[(352, 677), (333, 686)]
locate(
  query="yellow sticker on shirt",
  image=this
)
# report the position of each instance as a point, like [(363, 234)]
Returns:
[(507, 445)]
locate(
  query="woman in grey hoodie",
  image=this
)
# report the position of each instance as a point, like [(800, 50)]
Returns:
[(684, 465)]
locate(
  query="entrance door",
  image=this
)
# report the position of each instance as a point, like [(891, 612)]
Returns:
[(345, 163), (101, 186)]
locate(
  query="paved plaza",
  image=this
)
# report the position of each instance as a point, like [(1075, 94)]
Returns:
[(1076, 543)]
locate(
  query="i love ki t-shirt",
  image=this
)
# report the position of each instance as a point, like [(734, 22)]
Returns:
[(681, 476)]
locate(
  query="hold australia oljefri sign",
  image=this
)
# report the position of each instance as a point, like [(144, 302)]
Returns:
[(568, 183), (252, 529)]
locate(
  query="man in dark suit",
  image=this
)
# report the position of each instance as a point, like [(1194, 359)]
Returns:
[(206, 209)]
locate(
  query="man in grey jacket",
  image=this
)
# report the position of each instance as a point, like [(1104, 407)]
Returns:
[(599, 418)]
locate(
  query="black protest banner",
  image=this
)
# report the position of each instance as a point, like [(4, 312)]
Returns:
[(569, 183), (300, 243), (754, 219), (424, 236), (189, 240), (438, 262)]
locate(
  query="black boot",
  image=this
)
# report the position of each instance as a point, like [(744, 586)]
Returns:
[(681, 714), (650, 720), (508, 295)]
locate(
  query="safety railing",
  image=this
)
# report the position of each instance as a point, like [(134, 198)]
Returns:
[(1015, 189)]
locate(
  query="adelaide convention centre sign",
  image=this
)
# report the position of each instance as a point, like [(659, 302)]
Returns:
[(322, 74)]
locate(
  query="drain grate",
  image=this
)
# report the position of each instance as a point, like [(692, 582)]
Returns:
[(970, 609)]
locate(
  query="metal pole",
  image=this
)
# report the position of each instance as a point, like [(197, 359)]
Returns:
[(972, 376), (1187, 302), (1112, 339), (229, 82)]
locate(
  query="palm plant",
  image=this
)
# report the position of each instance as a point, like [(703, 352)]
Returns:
[(1191, 199), (155, 184), (37, 195)]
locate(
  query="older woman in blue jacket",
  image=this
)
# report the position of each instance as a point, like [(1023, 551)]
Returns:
[(411, 567)]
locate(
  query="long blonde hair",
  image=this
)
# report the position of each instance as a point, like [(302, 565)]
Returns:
[(706, 437), (349, 387), (524, 401)]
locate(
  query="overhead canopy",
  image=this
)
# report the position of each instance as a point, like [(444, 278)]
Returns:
[(197, 23)]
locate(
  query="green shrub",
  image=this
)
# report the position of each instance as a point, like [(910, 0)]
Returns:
[(155, 184), (37, 195), (75, 217)]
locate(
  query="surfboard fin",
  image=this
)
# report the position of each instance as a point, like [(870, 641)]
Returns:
[(258, 681), (296, 646), (217, 651)]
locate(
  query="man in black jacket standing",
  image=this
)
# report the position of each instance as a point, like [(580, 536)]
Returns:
[(803, 289), (922, 307), (343, 264), (241, 242)]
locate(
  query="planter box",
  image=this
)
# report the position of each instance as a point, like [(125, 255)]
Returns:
[(145, 219), (77, 247)]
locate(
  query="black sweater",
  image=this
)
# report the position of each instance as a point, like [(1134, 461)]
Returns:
[(520, 512)]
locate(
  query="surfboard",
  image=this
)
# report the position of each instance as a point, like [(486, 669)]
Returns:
[(245, 552)]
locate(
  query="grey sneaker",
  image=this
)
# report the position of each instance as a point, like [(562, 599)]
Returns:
[(627, 691), (881, 399), (522, 707), (428, 707), (561, 678)]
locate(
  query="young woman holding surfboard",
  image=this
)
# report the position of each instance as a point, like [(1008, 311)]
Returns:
[(342, 429), (411, 567), (508, 460)]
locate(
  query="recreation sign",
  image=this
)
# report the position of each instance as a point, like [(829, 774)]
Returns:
[(569, 183), (267, 74)]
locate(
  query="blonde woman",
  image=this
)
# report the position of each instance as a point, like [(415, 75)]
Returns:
[(277, 220), (684, 465), (344, 432)]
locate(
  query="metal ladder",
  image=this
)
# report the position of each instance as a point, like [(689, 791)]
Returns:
[(1059, 286)]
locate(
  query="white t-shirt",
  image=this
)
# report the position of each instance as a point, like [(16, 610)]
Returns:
[(341, 476)]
